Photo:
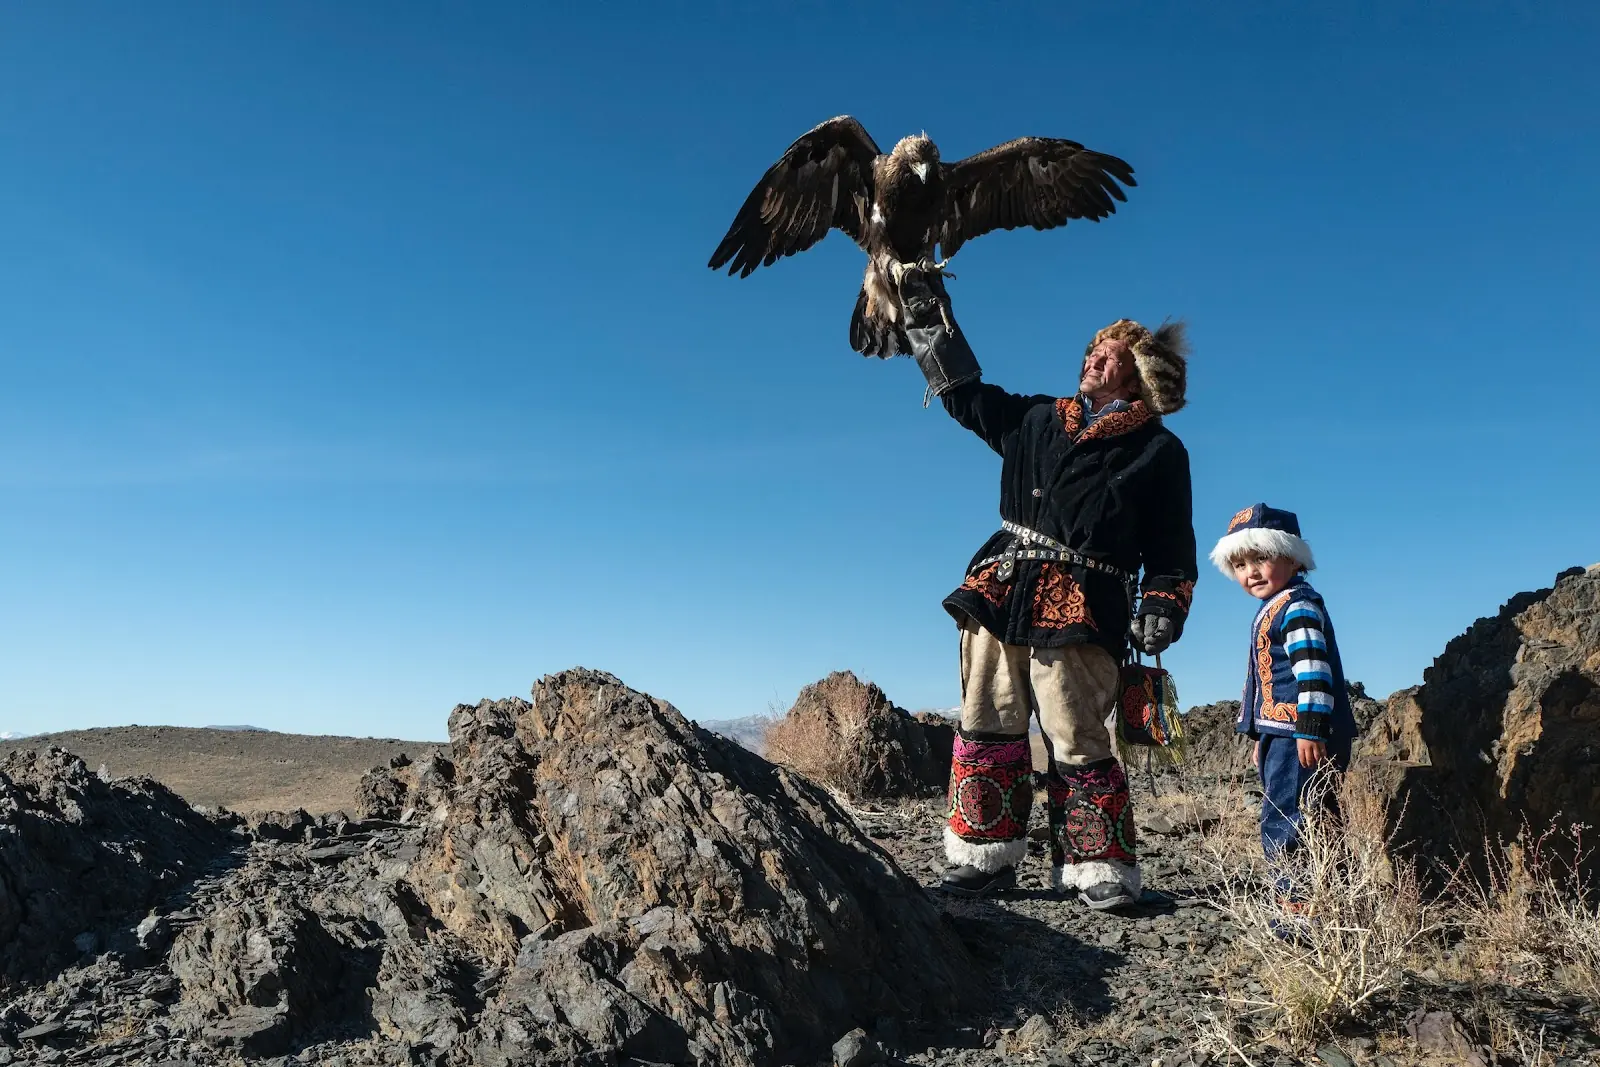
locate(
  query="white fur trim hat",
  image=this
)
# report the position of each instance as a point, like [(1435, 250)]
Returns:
[(1269, 531)]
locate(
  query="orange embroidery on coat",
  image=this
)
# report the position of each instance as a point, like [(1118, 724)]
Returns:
[(1119, 422), (1058, 600), (987, 586), (1070, 412), (1182, 596), (1240, 519), (1269, 615)]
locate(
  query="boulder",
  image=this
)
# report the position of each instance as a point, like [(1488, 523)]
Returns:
[(650, 889), (83, 860), (846, 734)]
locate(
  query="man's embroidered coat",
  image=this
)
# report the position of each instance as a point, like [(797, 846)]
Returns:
[(1117, 492)]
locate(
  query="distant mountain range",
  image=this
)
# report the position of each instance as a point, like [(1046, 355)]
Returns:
[(9, 735), (750, 731)]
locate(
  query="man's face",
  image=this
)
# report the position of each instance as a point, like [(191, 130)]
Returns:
[(1262, 577), (1107, 370)]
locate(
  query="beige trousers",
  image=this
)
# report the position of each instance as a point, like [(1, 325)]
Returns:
[(1071, 688)]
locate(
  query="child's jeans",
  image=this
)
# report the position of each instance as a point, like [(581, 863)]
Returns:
[(1284, 782)]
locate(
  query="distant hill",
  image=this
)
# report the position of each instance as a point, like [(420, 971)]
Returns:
[(239, 768)]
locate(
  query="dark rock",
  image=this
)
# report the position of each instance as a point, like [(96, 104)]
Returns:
[(1439, 1032), (856, 1049), (646, 885), (1334, 1056), (82, 855), (254, 1032), (258, 971), (344, 850), (47, 1032), (281, 825), (1502, 735), (845, 733)]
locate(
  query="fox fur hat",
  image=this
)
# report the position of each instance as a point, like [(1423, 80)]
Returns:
[(1160, 358)]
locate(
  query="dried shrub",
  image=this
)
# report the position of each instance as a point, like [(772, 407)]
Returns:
[(824, 747), (1328, 926), (1535, 919)]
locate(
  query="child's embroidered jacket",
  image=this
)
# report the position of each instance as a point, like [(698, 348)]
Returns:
[(1294, 685)]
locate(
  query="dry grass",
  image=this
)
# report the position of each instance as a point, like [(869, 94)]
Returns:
[(1535, 922), (1358, 921), (1365, 922)]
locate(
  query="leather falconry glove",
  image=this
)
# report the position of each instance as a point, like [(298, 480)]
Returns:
[(1152, 633), (937, 343)]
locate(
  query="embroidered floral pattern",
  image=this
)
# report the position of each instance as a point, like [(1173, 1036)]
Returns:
[(991, 790), (1090, 816), (986, 585), (1240, 519), (1069, 409), (1070, 412), (1269, 615), (1182, 596), (1058, 600), (1119, 422)]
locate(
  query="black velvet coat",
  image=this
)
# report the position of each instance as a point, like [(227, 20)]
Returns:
[(1117, 492)]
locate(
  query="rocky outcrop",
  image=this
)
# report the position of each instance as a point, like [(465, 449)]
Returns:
[(1211, 746), (586, 878), (652, 890), (83, 859), (846, 734), (1508, 716)]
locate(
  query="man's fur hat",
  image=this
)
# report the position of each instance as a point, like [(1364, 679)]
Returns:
[(1161, 359)]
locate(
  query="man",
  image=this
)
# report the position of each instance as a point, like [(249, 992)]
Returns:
[(1092, 488)]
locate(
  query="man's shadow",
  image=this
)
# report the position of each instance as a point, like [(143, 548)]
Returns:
[(1030, 969)]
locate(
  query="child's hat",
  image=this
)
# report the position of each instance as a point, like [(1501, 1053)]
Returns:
[(1269, 531)]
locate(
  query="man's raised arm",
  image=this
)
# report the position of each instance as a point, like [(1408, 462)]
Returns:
[(953, 374)]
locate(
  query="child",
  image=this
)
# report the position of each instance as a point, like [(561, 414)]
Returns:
[(1296, 704)]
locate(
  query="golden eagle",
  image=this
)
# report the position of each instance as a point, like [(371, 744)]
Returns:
[(897, 207)]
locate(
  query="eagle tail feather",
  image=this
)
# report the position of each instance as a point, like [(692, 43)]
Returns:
[(873, 333)]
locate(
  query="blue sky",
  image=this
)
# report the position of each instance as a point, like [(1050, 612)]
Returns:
[(361, 358)]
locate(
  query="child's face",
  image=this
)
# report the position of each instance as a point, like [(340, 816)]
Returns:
[(1264, 577)]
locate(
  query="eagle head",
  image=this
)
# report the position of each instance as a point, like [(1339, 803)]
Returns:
[(919, 153)]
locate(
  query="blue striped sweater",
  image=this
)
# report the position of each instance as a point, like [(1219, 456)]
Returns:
[(1295, 684)]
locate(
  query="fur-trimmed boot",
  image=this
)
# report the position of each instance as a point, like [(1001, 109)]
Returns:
[(991, 793), (1093, 844)]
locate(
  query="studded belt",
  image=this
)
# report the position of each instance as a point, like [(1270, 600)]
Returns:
[(1031, 544)]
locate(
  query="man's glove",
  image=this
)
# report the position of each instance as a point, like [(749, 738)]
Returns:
[(1153, 633), (936, 341)]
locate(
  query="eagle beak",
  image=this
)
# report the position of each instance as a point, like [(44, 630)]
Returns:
[(922, 171)]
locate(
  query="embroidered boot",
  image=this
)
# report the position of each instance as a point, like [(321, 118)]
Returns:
[(1092, 838), (991, 793)]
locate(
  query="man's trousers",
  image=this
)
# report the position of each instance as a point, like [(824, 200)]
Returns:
[(992, 783)]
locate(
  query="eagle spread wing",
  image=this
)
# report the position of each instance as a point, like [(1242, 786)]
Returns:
[(1032, 181), (823, 180)]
